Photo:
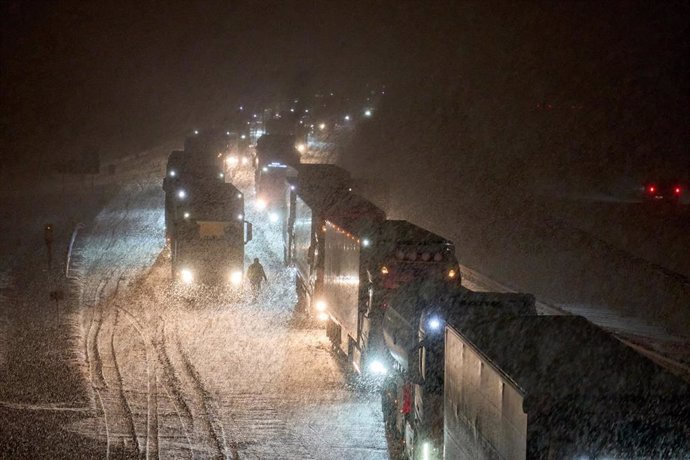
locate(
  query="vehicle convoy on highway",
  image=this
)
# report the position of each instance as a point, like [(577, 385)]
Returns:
[(389, 294)]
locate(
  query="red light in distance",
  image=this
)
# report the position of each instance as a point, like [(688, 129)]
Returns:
[(651, 188), (677, 190)]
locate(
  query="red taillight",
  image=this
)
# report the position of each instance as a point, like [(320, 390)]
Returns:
[(651, 189), (677, 190)]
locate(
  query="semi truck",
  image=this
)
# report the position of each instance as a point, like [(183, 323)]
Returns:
[(187, 166), (316, 188), (366, 260), (209, 233), (412, 394), (557, 387)]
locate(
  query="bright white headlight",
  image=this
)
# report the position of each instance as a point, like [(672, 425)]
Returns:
[(186, 276), (273, 217), (236, 278), (376, 367), (321, 305), (261, 204)]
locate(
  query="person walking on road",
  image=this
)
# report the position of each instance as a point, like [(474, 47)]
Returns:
[(256, 275)]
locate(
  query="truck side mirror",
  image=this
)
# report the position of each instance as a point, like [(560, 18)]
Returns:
[(249, 232)]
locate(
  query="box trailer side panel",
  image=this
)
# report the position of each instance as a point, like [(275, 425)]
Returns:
[(483, 416)]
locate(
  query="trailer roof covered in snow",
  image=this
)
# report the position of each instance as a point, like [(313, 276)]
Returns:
[(562, 356)]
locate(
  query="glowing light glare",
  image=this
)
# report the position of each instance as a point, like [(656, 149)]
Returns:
[(172, 173), (323, 316), (322, 126), (232, 160), (451, 273), (651, 189), (182, 194), (245, 161), (347, 117), (367, 113), (292, 187), (196, 131), (434, 324), (264, 169), (221, 175), (301, 148), (677, 190), (384, 270), (366, 242), (236, 278), (273, 217), (186, 276), (239, 195), (261, 204), (243, 136), (321, 305), (376, 367), (227, 133), (240, 217), (186, 215), (426, 451)]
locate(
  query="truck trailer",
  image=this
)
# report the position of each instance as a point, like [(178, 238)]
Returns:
[(315, 189), (557, 387), (208, 237), (365, 262), (412, 397)]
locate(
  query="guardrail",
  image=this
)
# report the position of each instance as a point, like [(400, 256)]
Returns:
[(473, 276)]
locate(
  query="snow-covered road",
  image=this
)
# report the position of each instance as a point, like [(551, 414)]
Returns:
[(165, 372)]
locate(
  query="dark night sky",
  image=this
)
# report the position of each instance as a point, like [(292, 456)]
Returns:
[(116, 77)]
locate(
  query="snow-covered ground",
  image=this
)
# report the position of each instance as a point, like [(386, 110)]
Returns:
[(152, 369)]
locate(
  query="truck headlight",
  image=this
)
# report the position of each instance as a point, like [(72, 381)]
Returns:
[(321, 305), (376, 367), (232, 161), (236, 278), (186, 276), (261, 204), (273, 217), (452, 273)]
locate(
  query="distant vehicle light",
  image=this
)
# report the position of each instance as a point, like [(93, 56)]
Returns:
[(321, 305), (434, 323), (301, 148), (172, 173), (186, 215), (451, 273), (384, 270), (323, 316), (367, 113), (677, 190), (182, 194), (196, 131), (347, 117), (245, 161), (366, 242), (651, 189), (221, 175), (243, 136), (232, 160), (292, 187), (186, 276), (261, 204), (322, 126), (377, 367), (236, 278), (264, 169), (227, 133), (292, 110), (273, 217), (240, 217)]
